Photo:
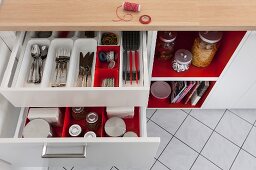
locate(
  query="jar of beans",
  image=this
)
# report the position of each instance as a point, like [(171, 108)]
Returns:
[(165, 44), (205, 47)]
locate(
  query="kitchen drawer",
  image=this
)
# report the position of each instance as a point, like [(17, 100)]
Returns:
[(101, 152), (45, 96)]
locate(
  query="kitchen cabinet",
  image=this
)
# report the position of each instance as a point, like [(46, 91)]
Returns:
[(100, 152)]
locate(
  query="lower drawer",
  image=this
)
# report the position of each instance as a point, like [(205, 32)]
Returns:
[(100, 152)]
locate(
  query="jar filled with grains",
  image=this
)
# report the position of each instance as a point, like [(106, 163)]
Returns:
[(165, 44), (205, 47)]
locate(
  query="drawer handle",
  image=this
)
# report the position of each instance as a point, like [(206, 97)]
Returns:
[(63, 155)]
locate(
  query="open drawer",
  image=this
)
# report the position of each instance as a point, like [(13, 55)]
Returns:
[(100, 152), (47, 96)]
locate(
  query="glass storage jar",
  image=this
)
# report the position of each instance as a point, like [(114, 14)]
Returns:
[(165, 44), (79, 113), (182, 60), (205, 47)]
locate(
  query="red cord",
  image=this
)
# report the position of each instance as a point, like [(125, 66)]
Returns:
[(124, 16)]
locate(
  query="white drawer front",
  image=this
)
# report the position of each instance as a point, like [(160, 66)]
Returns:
[(72, 96), (137, 153), (124, 153)]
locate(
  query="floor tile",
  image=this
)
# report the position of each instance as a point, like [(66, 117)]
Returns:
[(250, 143), (150, 112), (159, 166), (193, 133), (203, 164), (156, 131), (220, 151), (169, 119), (244, 161), (247, 114), (208, 117), (178, 156), (233, 128)]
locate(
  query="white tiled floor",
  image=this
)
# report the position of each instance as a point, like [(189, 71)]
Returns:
[(203, 139)]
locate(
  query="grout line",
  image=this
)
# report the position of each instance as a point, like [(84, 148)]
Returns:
[(153, 114), (240, 117), (172, 137), (115, 168), (211, 162), (248, 152), (242, 146), (185, 111), (186, 144), (228, 139), (153, 164), (200, 153), (161, 127), (163, 164), (203, 122)]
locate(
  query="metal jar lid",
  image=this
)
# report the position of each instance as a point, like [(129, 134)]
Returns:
[(211, 36), (183, 56), (92, 117), (90, 134), (130, 134), (115, 127), (75, 130), (167, 36), (77, 109), (37, 128)]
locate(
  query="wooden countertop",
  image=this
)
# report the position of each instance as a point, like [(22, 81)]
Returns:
[(98, 15)]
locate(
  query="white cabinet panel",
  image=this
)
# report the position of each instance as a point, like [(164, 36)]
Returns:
[(248, 100), (237, 78)]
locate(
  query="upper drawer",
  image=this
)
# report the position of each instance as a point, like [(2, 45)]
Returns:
[(21, 94)]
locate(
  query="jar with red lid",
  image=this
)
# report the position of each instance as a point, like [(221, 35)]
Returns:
[(165, 44)]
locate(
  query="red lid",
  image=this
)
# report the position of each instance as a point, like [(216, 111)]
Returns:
[(167, 36)]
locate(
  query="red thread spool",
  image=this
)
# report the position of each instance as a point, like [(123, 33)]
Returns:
[(128, 6)]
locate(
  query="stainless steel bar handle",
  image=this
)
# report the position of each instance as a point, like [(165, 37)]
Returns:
[(63, 155)]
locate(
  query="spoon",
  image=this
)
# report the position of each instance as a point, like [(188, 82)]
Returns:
[(33, 74), (44, 52)]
